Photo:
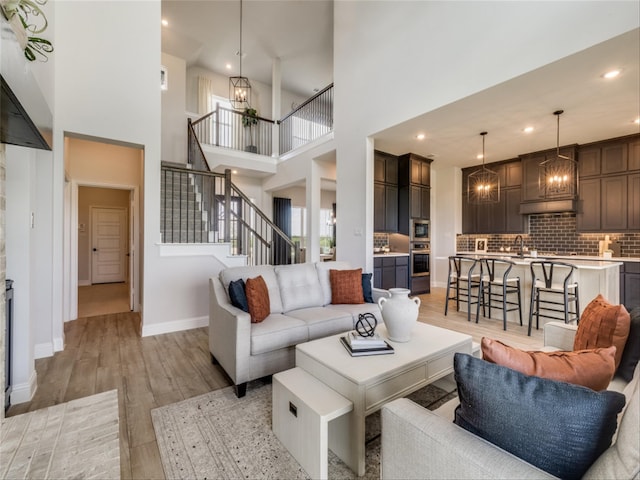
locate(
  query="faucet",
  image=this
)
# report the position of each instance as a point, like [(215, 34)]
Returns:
[(520, 243)]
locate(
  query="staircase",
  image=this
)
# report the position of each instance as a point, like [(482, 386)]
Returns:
[(183, 218), (200, 206)]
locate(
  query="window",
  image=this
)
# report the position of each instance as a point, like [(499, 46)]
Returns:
[(222, 133), (299, 225)]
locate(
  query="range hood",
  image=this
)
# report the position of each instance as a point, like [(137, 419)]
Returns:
[(25, 117), (548, 206)]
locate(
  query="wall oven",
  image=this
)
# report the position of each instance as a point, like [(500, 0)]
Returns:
[(419, 230), (420, 258)]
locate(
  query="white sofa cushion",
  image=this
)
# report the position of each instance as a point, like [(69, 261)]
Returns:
[(323, 276), (622, 459), (356, 309), (228, 275), (324, 321), (299, 286), (277, 331)]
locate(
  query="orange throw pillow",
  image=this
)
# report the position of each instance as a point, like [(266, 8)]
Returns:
[(258, 299), (346, 286), (602, 325), (590, 368)]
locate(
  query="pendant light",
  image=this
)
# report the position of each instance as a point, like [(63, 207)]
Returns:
[(557, 175), (483, 185), (239, 87)]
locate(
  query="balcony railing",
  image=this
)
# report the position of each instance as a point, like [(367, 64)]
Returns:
[(308, 122), (238, 131), (235, 130)]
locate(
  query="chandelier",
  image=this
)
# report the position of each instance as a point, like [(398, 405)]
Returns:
[(239, 87), (483, 185), (557, 175)]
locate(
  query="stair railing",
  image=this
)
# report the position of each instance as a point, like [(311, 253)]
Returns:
[(206, 207)]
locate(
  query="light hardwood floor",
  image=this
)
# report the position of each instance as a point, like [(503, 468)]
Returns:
[(106, 352)]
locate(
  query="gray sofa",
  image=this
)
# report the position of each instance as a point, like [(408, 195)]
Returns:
[(301, 310), (418, 443)]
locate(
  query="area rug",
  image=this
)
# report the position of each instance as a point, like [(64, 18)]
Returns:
[(219, 436)]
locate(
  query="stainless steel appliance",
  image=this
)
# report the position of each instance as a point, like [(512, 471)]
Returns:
[(420, 257), (419, 230)]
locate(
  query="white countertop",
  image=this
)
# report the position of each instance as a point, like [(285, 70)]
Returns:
[(582, 262), (390, 254)]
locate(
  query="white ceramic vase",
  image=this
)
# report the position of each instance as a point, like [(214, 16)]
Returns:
[(399, 313)]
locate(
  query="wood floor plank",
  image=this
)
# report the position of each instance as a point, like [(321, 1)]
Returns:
[(155, 371)]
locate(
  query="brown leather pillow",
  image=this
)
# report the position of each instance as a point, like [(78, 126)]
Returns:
[(258, 299), (590, 368), (602, 325), (346, 286)]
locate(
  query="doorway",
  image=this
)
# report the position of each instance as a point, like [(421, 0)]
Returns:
[(103, 250)]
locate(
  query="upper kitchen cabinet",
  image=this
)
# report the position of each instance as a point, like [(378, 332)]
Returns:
[(414, 189), (385, 189), (609, 186), (531, 170), (503, 216)]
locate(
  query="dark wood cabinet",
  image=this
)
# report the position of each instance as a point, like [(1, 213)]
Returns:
[(588, 216), (530, 170), (613, 202), (503, 216), (614, 158), (609, 188), (633, 204), (391, 272), (385, 192), (414, 192)]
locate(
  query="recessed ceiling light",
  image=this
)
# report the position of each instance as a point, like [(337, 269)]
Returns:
[(165, 22), (228, 65), (234, 171), (528, 129), (637, 120), (479, 156), (420, 136), (611, 74)]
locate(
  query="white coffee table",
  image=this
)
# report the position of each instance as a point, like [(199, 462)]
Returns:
[(370, 382)]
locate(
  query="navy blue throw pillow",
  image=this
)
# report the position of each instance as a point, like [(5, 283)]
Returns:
[(366, 288), (238, 296), (558, 427), (631, 352)]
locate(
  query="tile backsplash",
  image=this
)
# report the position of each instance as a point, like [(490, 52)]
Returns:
[(380, 240), (555, 233)]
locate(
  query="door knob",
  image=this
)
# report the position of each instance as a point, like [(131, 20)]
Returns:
[(95, 249)]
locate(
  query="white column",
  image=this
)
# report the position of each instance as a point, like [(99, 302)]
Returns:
[(276, 105), (313, 212)]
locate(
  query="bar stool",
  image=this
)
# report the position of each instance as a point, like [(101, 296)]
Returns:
[(464, 277), (553, 279), (496, 281)]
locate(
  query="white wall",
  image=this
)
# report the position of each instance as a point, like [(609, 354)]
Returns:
[(174, 119), (439, 52), (260, 92)]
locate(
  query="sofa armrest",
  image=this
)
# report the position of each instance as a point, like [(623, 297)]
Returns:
[(378, 293), (417, 443), (229, 333), (559, 335)]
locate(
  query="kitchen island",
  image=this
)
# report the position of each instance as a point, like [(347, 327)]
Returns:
[(592, 276)]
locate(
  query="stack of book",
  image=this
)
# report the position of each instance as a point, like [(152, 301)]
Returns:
[(361, 346)]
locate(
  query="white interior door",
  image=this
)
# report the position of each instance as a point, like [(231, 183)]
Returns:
[(132, 253), (108, 240)]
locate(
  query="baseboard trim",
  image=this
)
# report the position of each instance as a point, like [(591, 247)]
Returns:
[(84, 283), (58, 344), (24, 392), (175, 326), (42, 350)]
